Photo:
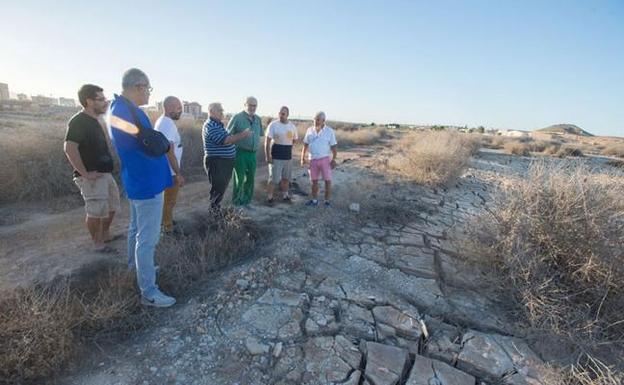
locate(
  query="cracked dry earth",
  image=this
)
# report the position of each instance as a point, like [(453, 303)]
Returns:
[(337, 297)]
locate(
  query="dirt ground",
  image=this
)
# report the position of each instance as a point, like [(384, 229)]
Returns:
[(379, 295)]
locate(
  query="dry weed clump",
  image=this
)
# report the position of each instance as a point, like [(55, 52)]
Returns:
[(433, 157), (557, 238), (517, 148), (36, 330), (616, 149), (588, 370), (567, 150), (359, 137), (215, 241), (41, 328)]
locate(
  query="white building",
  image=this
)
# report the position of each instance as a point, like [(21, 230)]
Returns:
[(4, 92)]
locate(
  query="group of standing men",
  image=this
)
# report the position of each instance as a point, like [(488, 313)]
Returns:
[(152, 182)]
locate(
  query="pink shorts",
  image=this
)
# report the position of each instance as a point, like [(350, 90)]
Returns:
[(320, 166)]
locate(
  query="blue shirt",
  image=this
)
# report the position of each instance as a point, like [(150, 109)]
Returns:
[(214, 135), (143, 176)]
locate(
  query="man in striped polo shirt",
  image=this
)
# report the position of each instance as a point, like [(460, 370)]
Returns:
[(219, 153)]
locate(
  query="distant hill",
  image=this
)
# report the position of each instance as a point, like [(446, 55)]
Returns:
[(570, 129)]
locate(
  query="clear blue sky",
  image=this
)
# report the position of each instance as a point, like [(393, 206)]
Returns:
[(503, 64)]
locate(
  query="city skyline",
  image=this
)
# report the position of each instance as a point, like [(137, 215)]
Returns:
[(503, 65)]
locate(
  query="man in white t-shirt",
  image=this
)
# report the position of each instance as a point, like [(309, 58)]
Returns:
[(281, 135), (166, 124), (320, 142)]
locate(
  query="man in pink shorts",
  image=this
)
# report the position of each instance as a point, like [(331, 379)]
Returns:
[(320, 142)]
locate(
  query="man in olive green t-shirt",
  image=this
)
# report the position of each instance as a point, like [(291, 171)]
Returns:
[(245, 165)]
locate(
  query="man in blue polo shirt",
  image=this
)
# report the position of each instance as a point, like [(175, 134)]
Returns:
[(144, 178)]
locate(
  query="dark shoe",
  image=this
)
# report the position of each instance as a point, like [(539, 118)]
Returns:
[(327, 204), (312, 203), (270, 201), (106, 250)]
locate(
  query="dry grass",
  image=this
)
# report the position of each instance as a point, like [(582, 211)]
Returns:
[(433, 157), (615, 149), (41, 328), (360, 137), (214, 243), (567, 150), (586, 371), (33, 162), (556, 238), (517, 148)]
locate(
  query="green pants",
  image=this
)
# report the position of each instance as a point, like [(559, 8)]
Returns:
[(244, 175)]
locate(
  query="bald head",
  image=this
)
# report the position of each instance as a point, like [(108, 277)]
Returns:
[(172, 107)]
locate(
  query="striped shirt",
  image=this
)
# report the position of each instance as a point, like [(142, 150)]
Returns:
[(214, 135)]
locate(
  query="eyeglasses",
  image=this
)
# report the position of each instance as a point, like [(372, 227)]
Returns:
[(147, 87), (252, 105)]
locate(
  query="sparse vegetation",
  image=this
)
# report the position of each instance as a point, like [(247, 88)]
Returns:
[(360, 137), (517, 148), (434, 157), (569, 150), (556, 238), (615, 149), (41, 327)]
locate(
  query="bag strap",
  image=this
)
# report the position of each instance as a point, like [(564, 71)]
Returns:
[(135, 117)]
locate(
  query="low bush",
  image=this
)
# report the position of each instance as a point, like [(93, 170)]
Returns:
[(517, 148), (616, 149), (433, 157), (556, 239), (567, 150)]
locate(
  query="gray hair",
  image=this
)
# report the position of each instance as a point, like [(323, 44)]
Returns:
[(320, 114), (213, 107), (133, 77), (251, 99)]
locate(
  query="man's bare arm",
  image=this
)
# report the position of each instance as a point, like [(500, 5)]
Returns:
[(73, 155)]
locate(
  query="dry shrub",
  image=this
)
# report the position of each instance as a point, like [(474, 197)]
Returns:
[(552, 149), (517, 148), (587, 371), (498, 142), (567, 150), (592, 371), (615, 163), (557, 237), (215, 241), (615, 149), (41, 327), (433, 157), (36, 330), (358, 137)]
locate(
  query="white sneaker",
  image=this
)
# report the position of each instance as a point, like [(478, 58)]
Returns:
[(158, 300)]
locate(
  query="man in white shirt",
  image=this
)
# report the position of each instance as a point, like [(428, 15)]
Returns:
[(281, 135), (320, 141), (166, 124)]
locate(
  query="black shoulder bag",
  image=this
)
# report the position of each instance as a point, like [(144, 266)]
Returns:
[(154, 143)]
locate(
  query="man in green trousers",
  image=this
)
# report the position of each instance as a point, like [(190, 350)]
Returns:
[(245, 165)]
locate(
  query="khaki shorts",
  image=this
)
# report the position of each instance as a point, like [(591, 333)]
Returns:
[(101, 195), (280, 169)]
